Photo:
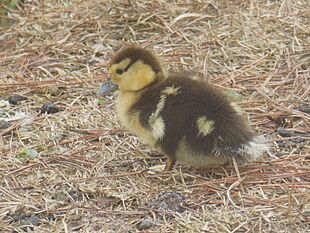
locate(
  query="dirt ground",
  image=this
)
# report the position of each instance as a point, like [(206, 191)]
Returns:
[(66, 165)]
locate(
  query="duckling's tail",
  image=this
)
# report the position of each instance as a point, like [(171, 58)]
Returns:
[(255, 148)]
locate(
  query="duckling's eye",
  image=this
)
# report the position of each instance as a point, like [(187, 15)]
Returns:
[(119, 71)]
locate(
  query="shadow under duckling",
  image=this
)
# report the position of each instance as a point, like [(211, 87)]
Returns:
[(190, 121)]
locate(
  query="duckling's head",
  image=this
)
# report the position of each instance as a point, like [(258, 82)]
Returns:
[(132, 69)]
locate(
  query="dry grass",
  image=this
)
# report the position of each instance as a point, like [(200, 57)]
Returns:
[(78, 171)]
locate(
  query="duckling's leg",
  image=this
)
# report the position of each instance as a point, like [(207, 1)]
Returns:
[(169, 164)]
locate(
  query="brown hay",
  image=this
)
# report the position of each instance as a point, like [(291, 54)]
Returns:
[(91, 175)]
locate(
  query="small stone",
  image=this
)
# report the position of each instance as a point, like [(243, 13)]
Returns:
[(283, 145), (144, 224), (30, 221), (14, 99), (99, 48), (26, 220), (304, 108), (284, 132), (169, 202), (4, 124), (49, 108)]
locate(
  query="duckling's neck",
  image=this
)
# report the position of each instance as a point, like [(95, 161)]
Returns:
[(160, 78)]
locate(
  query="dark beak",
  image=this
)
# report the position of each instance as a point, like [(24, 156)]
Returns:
[(106, 88)]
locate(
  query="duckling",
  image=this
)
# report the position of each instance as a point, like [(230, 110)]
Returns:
[(190, 121)]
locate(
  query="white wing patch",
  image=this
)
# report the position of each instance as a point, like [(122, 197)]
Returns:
[(204, 126), (158, 128), (156, 121), (171, 90)]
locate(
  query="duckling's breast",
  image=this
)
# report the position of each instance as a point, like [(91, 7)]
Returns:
[(130, 119)]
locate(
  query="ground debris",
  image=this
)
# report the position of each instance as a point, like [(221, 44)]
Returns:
[(304, 108), (24, 222), (4, 124), (91, 174), (145, 224), (50, 108), (284, 132), (15, 99), (169, 202)]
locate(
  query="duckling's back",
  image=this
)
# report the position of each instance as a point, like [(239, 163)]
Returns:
[(194, 122)]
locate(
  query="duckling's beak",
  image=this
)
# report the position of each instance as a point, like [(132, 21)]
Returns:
[(106, 88)]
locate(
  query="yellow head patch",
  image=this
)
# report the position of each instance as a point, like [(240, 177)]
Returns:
[(134, 78), (116, 69)]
